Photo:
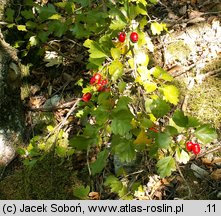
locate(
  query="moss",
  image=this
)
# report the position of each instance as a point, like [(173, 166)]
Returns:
[(214, 64), (205, 100), (179, 50), (50, 178)]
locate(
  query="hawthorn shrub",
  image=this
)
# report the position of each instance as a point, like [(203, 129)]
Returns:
[(127, 108)]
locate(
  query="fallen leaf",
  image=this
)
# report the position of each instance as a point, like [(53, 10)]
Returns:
[(216, 175), (94, 196)]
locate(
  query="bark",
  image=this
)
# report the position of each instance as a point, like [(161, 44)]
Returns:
[(11, 112)]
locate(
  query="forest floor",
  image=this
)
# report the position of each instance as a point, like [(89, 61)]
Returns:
[(57, 178)]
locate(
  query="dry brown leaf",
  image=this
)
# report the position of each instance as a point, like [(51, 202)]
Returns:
[(217, 160), (206, 161), (216, 175), (94, 196)]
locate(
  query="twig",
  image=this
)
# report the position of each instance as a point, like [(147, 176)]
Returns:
[(53, 108), (207, 152), (62, 123), (88, 163), (181, 174)]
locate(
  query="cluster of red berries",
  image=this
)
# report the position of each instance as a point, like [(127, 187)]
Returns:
[(101, 86), (193, 147), (133, 37)]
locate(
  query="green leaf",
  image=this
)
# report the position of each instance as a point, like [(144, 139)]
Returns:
[(83, 3), (180, 119), (100, 163), (31, 25), (121, 122), (206, 133), (28, 14), (94, 49), (172, 131), (81, 192), (146, 123), (81, 142), (163, 140), (61, 151), (115, 70), (121, 86), (122, 103), (159, 108), (101, 115), (171, 94), (193, 121), (9, 15), (43, 36), (21, 151), (79, 31), (125, 150), (166, 166), (58, 28), (46, 11)]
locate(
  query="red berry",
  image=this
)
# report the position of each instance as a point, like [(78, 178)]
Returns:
[(134, 37), (97, 77), (104, 82), (122, 37), (189, 146), (92, 80), (196, 148), (86, 97), (99, 87)]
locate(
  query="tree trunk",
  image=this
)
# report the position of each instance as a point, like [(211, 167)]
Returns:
[(11, 113)]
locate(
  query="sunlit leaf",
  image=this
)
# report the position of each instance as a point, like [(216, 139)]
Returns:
[(55, 17), (94, 49), (115, 70), (21, 27), (171, 94), (157, 28), (149, 86), (33, 41), (182, 157), (115, 53)]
